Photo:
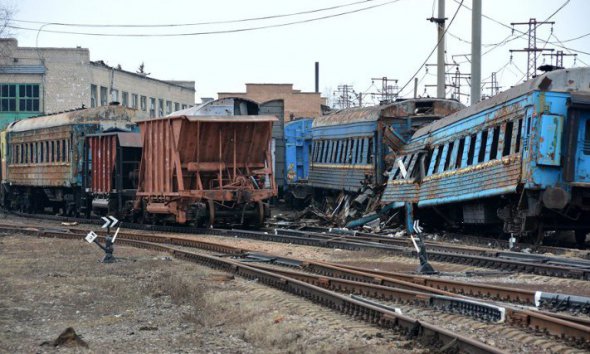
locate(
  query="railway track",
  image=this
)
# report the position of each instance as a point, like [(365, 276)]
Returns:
[(415, 290), (506, 261)]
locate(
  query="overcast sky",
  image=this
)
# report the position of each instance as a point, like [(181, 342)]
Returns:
[(390, 40)]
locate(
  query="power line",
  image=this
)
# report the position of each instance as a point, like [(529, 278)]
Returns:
[(305, 12), (433, 49), (245, 29)]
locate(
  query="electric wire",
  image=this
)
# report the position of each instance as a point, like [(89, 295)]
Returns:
[(236, 30)]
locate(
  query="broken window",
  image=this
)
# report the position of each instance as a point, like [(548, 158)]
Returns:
[(482, 146), (439, 151), (449, 155), (495, 140), (471, 152), (93, 96), (518, 136), (507, 138), (460, 153)]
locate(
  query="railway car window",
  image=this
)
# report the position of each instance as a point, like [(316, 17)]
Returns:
[(427, 160), (518, 136), (52, 152), (47, 151), (63, 150), (507, 138), (438, 158), (586, 148), (336, 151), (104, 96), (93, 95), (482, 146), (495, 141), (42, 152), (370, 151), (58, 151), (471, 152), (351, 157), (22, 154), (342, 157), (35, 152), (359, 150), (330, 151), (450, 151), (460, 153)]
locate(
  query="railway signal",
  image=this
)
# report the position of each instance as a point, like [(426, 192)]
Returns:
[(108, 248), (425, 267)]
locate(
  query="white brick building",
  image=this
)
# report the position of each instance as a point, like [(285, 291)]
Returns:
[(46, 80)]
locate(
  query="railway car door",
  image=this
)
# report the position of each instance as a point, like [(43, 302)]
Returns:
[(577, 157)]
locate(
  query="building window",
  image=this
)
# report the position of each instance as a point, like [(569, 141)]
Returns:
[(19, 98), (160, 107), (143, 103), (168, 107), (114, 95), (152, 107), (134, 103), (184, 106), (104, 96), (93, 96), (125, 99), (176, 106)]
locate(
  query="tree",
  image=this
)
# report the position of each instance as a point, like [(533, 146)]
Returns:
[(6, 13)]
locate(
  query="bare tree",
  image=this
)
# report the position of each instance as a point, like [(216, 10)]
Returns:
[(141, 70), (6, 13)]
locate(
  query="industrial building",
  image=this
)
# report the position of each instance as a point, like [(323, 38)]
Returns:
[(37, 81)]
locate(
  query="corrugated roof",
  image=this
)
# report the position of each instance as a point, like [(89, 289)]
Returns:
[(566, 80), (220, 107), (399, 109), (242, 119), (108, 116)]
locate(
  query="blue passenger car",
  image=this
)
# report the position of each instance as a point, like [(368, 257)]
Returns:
[(349, 146), (520, 159)]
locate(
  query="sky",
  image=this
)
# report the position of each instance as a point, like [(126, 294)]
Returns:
[(352, 43)]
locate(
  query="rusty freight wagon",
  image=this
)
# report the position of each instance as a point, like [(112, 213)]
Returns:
[(206, 169), (43, 157), (111, 170)]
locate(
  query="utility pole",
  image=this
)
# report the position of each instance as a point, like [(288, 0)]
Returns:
[(457, 77), (388, 92), (494, 88), (344, 94), (532, 49), (440, 69), (475, 52), (559, 58)]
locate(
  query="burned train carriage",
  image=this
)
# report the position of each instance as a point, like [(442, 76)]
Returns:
[(205, 169), (520, 159), (349, 146), (43, 157)]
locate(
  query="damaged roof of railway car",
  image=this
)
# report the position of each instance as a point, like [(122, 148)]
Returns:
[(565, 80), (106, 115), (227, 106), (234, 119), (400, 109)]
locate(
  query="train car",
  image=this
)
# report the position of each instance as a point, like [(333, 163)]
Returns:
[(348, 146), (519, 160), (111, 168), (43, 157), (206, 169), (297, 154)]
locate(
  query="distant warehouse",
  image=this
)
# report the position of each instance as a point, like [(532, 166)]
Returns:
[(37, 81)]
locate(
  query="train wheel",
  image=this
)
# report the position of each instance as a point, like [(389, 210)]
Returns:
[(211, 205)]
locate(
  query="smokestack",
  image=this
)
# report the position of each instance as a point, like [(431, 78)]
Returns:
[(317, 77)]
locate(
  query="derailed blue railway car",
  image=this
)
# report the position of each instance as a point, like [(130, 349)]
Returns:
[(44, 157), (348, 146), (520, 160), (297, 154)]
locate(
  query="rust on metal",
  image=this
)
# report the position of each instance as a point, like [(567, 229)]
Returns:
[(188, 159)]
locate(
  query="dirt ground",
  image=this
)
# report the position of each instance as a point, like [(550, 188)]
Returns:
[(150, 303)]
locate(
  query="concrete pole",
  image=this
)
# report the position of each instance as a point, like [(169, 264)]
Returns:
[(476, 52), (317, 76), (440, 65)]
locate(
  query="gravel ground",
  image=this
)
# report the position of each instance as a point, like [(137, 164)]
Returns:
[(150, 303)]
